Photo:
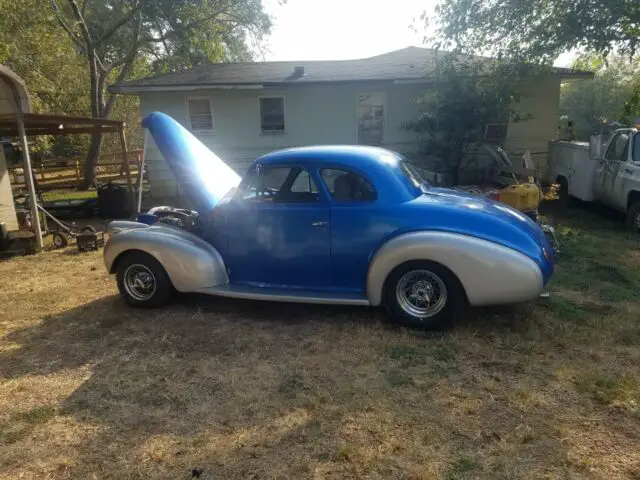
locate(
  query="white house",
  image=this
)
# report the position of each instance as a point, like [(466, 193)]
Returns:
[(243, 110)]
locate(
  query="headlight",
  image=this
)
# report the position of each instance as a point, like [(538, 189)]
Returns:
[(547, 254)]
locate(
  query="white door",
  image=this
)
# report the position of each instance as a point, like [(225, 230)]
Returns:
[(609, 169)]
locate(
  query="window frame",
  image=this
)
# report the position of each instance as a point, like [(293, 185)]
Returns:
[(284, 115), (238, 195), (211, 111), (383, 95), (348, 170), (612, 145)]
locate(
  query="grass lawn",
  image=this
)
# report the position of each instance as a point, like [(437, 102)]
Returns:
[(249, 390)]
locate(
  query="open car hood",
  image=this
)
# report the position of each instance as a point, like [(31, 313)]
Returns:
[(201, 174)]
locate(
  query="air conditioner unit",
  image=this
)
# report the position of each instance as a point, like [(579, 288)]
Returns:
[(495, 132)]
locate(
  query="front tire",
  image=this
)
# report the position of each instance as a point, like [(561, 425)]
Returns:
[(424, 294), (142, 281), (633, 217)]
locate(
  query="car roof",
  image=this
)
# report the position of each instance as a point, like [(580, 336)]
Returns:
[(380, 166), (357, 156)]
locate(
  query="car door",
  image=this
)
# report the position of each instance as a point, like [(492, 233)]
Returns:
[(628, 173), (356, 225), (609, 167), (620, 171), (277, 230)]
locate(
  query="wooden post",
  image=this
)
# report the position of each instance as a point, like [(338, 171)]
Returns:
[(127, 172), (141, 171)]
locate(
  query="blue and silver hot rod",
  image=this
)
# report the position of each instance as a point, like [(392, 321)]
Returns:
[(328, 224)]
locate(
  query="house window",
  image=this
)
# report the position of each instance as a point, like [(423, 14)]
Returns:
[(272, 114), (200, 114), (370, 118)]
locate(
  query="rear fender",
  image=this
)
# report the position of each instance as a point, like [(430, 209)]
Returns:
[(490, 274), (190, 262)]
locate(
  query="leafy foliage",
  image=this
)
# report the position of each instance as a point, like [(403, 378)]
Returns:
[(36, 51), (539, 30), (608, 97), (464, 95), (119, 38)]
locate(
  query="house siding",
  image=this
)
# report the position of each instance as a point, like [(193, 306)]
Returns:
[(322, 114)]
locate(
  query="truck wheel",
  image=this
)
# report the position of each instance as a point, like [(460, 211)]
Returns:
[(142, 281), (633, 217), (424, 294)]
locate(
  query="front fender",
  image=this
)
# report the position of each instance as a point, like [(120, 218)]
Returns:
[(490, 274), (190, 262)]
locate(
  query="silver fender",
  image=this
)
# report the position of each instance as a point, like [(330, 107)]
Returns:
[(490, 273), (190, 262)]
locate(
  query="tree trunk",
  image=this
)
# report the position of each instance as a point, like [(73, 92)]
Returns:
[(93, 154), (91, 161)]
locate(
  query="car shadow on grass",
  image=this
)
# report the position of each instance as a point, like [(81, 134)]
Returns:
[(249, 388)]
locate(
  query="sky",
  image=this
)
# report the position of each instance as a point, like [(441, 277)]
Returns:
[(346, 29)]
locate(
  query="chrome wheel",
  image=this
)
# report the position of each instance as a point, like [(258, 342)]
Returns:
[(139, 282), (636, 221), (421, 293)]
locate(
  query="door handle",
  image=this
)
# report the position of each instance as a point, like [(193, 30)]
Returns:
[(318, 224)]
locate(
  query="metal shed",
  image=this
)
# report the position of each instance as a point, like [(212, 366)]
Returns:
[(17, 120)]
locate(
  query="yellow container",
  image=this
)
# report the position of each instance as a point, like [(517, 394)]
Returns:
[(523, 196)]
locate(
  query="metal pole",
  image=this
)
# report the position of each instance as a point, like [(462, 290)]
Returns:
[(123, 145), (141, 171), (33, 201)]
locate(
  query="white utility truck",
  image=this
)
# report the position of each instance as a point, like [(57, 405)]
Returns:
[(606, 170)]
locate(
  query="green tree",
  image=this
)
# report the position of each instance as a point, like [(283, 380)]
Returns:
[(36, 52), (608, 97), (116, 38), (539, 30), (464, 95)]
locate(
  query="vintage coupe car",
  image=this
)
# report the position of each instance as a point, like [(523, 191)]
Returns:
[(330, 224)]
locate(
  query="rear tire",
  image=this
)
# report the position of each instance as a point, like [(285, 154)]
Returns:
[(59, 240), (424, 294), (633, 217), (143, 281)]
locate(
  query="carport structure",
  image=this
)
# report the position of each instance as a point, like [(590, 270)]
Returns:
[(18, 120)]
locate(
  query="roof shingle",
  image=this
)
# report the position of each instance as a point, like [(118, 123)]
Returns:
[(412, 63)]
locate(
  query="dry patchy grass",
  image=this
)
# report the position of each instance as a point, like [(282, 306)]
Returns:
[(92, 389)]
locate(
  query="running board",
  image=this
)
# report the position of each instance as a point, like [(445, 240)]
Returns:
[(284, 295)]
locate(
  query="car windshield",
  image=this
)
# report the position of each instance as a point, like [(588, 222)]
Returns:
[(413, 174)]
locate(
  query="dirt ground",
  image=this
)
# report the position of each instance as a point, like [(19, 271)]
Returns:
[(245, 390)]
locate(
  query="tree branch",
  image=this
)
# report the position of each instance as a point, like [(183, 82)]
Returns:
[(127, 64), (120, 22), (83, 24), (64, 25)]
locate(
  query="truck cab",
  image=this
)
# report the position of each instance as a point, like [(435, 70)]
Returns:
[(616, 180), (606, 170)]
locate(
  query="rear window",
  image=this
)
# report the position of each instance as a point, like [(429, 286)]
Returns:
[(413, 175)]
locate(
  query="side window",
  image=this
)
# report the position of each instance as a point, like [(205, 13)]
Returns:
[(279, 185), (347, 186), (636, 148), (618, 148)]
